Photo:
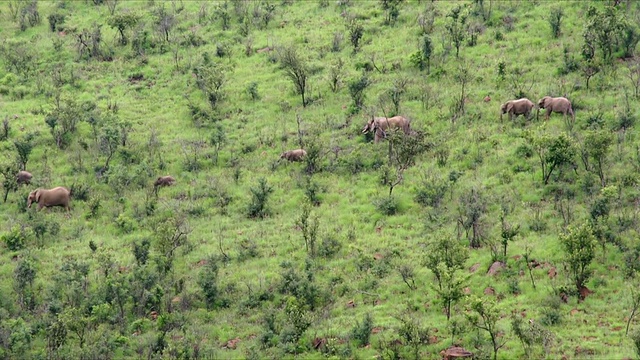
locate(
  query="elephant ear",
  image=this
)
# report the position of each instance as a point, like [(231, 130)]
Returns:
[(509, 107), (38, 193)]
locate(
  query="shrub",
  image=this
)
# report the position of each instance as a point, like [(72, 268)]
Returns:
[(432, 191), (387, 205), (16, 239), (329, 246), (361, 332), (260, 194), (207, 281), (79, 191), (125, 223), (141, 251)]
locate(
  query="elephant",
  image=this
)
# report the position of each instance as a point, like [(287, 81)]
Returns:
[(294, 155), (58, 196), (23, 177), (380, 126), (558, 104), (517, 107), (164, 181)]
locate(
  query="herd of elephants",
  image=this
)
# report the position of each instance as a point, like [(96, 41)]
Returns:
[(379, 126)]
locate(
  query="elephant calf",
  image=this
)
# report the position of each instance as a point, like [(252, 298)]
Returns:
[(517, 107), (24, 177), (58, 196), (380, 125), (294, 155), (557, 104), (164, 181)]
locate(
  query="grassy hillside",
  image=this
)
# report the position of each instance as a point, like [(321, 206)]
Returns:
[(248, 256)]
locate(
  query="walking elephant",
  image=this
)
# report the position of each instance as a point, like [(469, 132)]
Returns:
[(557, 104), (380, 125), (517, 107), (294, 155), (58, 196)]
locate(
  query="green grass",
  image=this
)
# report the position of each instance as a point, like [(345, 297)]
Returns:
[(482, 150)]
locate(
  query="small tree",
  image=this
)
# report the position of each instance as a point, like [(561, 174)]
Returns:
[(296, 69), (553, 152), (23, 148), (555, 20), (9, 181), (403, 151), (597, 146), (208, 282), (122, 22), (485, 316), (456, 27), (211, 79), (309, 226), (356, 90), (471, 208), (635, 305), (391, 9), (260, 194), (24, 275), (446, 258), (579, 245), (356, 31), (633, 66), (171, 231)]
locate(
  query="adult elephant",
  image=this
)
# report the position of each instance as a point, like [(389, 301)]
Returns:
[(58, 196), (294, 155), (380, 125), (517, 107), (555, 104)]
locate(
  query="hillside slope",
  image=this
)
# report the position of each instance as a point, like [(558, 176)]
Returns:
[(360, 249)]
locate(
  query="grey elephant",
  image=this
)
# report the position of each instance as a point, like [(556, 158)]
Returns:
[(381, 125), (163, 181), (557, 104), (517, 107), (23, 177), (58, 196), (294, 155)]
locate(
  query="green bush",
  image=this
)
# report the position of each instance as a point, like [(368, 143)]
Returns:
[(125, 224), (387, 205), (361, 332), (16, 239)]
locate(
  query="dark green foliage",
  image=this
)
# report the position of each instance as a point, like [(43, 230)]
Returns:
[(259, 197), (9, 181), (555, 21), (329, 246), (301, 285), (122, 22), (24, 275), (23, 148), (295, 67), (356, 31), (431, 191), (579, 245), (208, 282), (141, 251), (422, 58), (252, 91), (309, 227), (56, 22), (456, 27), (361, 332), (532, 336), (210, 79), (356, 90), (391, 9), (16, 239), (551, 312), (387, 205)]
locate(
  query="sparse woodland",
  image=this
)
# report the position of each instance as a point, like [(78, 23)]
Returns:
[(190, 236)]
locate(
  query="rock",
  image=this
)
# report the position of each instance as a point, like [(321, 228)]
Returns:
[(456, 352), (489, 291), (552, 273), (231, 344), (487, 98), (474, 267), (351, 304), (495, 268), (584, 292)]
